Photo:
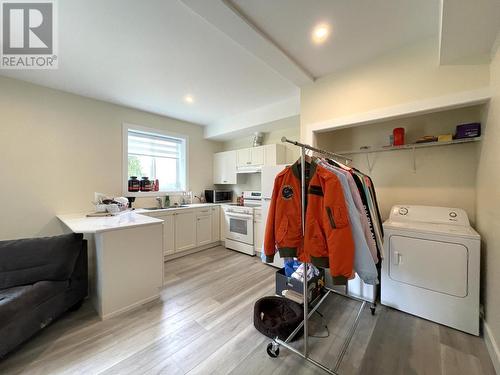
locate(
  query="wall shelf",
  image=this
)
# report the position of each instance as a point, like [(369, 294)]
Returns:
[(411, 147)]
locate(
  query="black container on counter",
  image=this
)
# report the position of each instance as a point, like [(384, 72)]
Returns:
[(145, 184), (134, 184)]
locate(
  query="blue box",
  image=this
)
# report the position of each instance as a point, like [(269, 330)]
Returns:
[(468, 130)]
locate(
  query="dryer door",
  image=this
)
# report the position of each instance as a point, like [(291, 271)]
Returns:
[(434, 265)]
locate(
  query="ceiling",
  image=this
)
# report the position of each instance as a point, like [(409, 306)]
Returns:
[(242, 61), (151, 56), (361, 29), (468, 30)]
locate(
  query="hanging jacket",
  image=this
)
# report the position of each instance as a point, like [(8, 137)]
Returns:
[(366, 191), (366, 185), (364, 263), (363, 216), (328, 240)]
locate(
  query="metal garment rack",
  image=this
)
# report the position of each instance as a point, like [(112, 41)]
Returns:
[(273, 347)]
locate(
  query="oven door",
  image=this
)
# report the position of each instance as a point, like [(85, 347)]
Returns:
[(239, 227)]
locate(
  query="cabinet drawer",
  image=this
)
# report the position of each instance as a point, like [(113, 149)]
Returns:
[(204, 212)]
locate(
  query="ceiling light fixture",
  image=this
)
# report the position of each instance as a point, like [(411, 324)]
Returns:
[(320, 33), (188, 99)]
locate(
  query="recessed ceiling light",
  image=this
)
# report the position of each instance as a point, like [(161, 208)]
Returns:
[(188, 99), (320, 33)]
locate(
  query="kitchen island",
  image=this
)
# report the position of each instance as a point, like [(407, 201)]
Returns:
[(125, 259)]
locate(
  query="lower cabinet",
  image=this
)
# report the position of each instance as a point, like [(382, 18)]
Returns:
[(203, 229), (185, 230), (258, 231), (216, 235), (168, 234), (189, 228)]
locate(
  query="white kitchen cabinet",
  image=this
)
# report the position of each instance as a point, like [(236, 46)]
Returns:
[(258, 230), (249, 157), (223, 224), (185, 230), (168, 230), (224, 167), (274, 154), (203, 227), (244, 157), (215, 223), (257, 155), (168, 234)]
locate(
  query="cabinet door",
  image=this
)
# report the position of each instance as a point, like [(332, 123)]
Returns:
[(219, 162), (223, 225), (168, 234), (244, 157), (224, 168), (257, 155), (203, 230), (258, 232), (185, 231), (229, 168), (215, 224)]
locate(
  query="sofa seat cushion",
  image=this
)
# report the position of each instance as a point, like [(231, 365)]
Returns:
[(17, 300), (26, 261)]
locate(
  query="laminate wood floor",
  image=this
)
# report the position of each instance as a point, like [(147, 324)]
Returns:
[(203, 325)]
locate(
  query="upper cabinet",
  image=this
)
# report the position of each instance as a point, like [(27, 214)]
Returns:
[(250, 156), (247, 160), (274, 154), (225, 167), (255, 157)]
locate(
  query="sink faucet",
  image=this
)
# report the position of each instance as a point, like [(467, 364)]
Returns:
[(160, 202)]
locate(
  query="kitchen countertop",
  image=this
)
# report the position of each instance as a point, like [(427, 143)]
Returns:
[(80, 223), (188, 206)]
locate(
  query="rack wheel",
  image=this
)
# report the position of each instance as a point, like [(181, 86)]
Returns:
[(273, 353), (372, 309)]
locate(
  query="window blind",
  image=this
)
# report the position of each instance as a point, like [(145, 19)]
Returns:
[(154, 145)]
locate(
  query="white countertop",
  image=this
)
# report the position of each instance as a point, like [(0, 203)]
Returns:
[(187, 207), (80, 223)]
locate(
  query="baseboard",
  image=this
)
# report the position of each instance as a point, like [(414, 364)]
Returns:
[(493, 347), (166, 258), (134, 306)]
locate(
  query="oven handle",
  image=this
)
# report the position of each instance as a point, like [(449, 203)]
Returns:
[(241, 216)]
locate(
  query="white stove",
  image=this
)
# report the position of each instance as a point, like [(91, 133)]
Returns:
[(240, 223), (252, 198)]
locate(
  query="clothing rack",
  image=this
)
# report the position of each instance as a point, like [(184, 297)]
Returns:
[(273, 347)]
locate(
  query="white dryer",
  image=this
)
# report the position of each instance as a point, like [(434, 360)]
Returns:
[(431, 265)]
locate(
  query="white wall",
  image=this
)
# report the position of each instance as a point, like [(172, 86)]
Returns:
[(445, 176), (488, 212), (57, 149), (401, 77)]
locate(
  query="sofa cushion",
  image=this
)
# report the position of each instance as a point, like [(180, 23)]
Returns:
[(27, 261), (26, 298)]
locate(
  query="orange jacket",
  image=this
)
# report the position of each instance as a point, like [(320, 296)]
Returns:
[(328, 238)]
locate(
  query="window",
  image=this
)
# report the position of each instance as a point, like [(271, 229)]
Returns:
[(156, 155)]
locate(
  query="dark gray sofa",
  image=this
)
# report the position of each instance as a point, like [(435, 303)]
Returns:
[(40, 279)]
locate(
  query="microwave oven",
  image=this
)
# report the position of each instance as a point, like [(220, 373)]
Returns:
[(219, 196)]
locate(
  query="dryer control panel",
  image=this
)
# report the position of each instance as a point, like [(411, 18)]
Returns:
[(429, 214)]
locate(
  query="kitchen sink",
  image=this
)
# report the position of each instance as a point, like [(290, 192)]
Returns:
[(165, 208)]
